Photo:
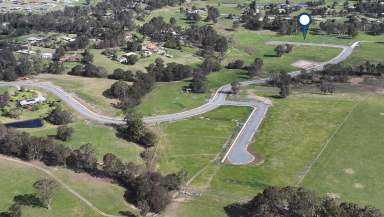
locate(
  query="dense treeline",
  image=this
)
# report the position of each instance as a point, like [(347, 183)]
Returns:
[(8, 65), (207, 38), (120, 74), (341, 73), (370, 7), (89, 70), (298, 202), (151, 189), (204, 37), (159, 30), (169, 72), (351, 27), (86, 22), (279, 24), (155, 4)]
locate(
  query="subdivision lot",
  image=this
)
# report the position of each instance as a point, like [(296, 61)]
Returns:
[(191, 144), (287, 141)]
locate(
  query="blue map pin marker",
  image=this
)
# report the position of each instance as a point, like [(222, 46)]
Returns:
[(304, 20)]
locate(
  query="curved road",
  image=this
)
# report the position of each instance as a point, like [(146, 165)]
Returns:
[(237, 153)]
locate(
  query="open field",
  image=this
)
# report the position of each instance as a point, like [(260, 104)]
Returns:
[(367, 51), (105, 195), (99, 192), (287, 141), (351, 165), (17, 180), (101, 137)]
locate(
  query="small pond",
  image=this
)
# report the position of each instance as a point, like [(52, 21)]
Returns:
[(35, 123)]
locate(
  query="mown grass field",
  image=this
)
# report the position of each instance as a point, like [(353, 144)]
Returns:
[(287, 141), (102, 138), (17, 180)]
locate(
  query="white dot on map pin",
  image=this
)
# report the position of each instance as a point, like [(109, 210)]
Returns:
[(304, 20)]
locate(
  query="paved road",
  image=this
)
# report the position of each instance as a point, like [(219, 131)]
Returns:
[(237, 153)]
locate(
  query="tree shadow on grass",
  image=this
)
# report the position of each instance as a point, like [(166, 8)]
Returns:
[(270, 55), (125, 213), (236, 210), (28, 200)]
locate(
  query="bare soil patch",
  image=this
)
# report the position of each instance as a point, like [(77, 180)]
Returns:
[(251, 95), (356, 80), (305, 64), (349, 171), (358, 186), (333, 195)]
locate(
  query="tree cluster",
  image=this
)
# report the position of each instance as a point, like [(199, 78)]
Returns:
[(64, 133), (370, 7), (135, 130), (199, 83), (159, 30), (59, 116), (130, 95), (283, 81), (206, 38), (213, 14), (155, 4), (11, 68), (89, 70), (86, 22), (298, 202), (283, 48), (279, 24), (120, 74), (169, 72)]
